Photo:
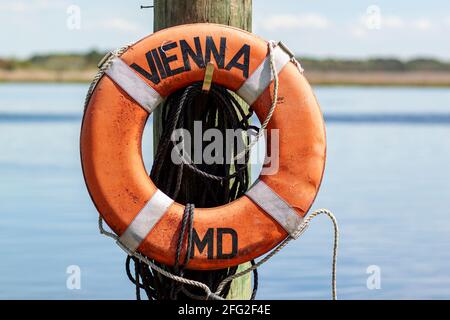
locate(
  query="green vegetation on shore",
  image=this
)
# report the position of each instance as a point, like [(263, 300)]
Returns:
[(89, 60), (55, 62), (81, 67), (376, 64)]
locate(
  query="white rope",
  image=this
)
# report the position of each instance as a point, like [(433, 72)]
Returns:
[(163, 272), (300, 231), (217, 295), (298, 65), (103, 67), (272, 45), (276, 85)]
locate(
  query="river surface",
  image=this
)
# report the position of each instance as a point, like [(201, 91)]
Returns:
[(387, 180)]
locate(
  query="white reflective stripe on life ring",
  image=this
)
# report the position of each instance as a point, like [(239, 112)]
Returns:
[(133, 85), (275, 206), (262, 77), (145, 221)]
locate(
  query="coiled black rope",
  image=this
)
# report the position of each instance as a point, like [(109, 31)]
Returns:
[(215, 184)]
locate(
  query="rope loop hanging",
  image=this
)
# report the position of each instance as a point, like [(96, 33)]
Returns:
[(217, 295)]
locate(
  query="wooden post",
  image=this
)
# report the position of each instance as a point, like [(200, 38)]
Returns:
[(169, 13), (236, 13)]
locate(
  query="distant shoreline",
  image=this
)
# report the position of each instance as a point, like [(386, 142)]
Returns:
[(327, 78), (380, 78)]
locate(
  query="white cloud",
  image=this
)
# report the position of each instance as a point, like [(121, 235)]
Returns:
[(118, 24), (358, 32), (13, 7), (393, 22), (422, 24), (28, 6), (388, 21), (293, 22)]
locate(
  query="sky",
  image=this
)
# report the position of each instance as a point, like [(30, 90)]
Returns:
[(319, 28)]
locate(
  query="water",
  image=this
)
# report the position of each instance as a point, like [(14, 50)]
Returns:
[(387, 180)]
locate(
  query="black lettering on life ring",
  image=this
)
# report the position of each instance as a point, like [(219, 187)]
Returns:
[(208, 243), (159, 59)]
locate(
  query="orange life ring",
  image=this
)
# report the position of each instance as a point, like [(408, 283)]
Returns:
[(111, 136)]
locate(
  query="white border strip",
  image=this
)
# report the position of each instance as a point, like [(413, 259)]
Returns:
[(145, 221), (275, 206), (262, 76), (135, 86)]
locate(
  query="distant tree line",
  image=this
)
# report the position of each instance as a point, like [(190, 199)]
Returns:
[(64, 61), (89, 60), (375, 64)]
